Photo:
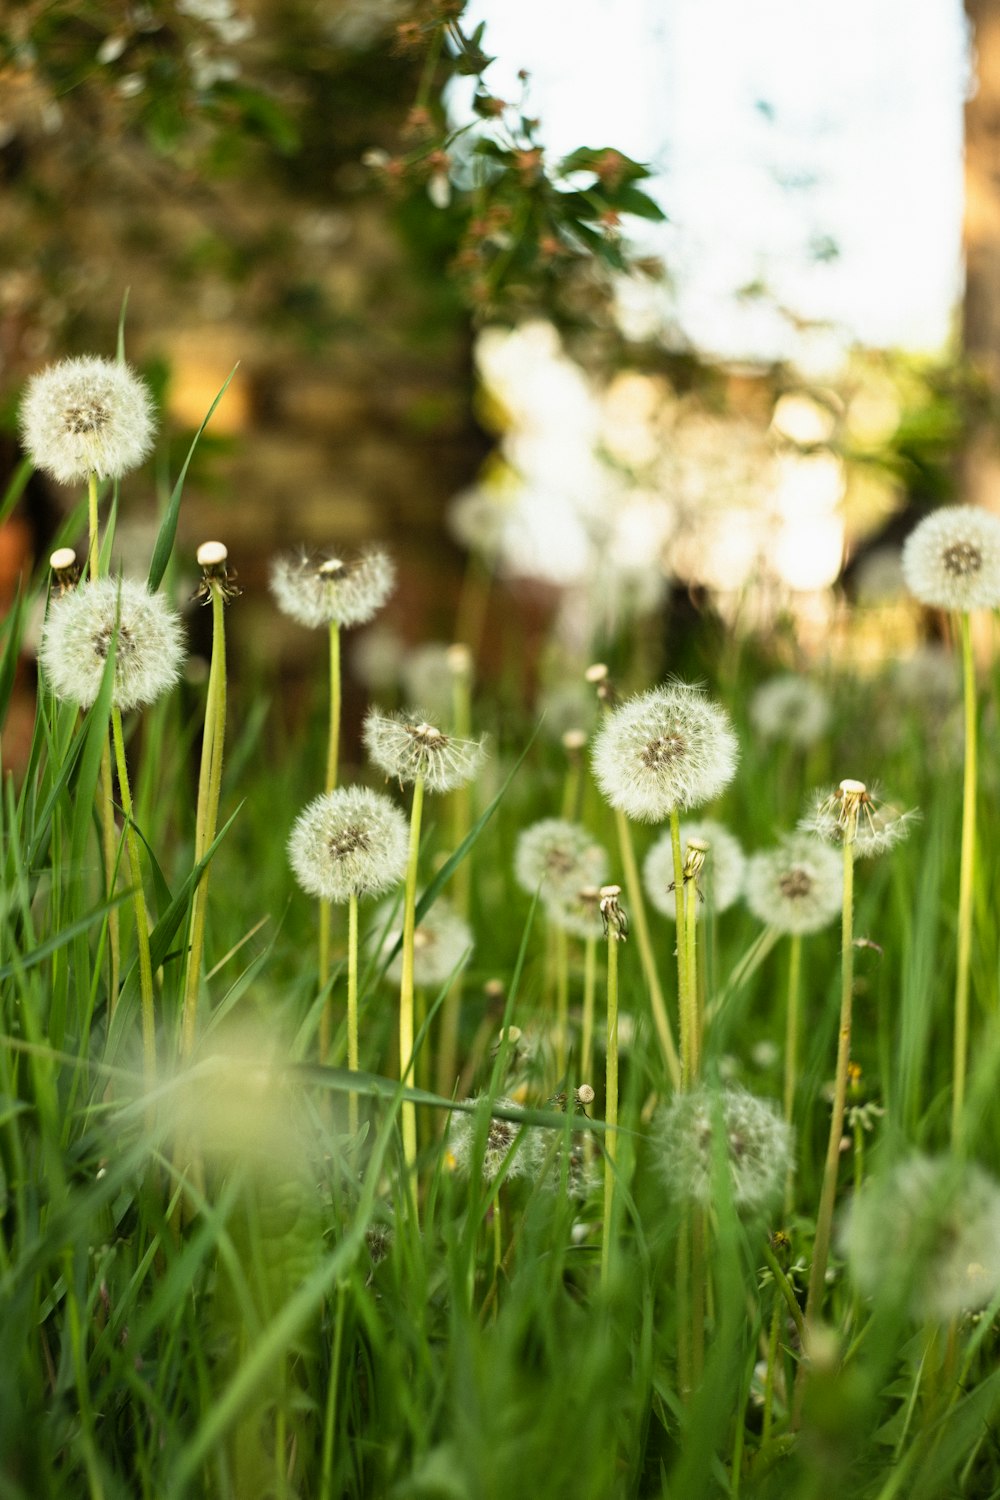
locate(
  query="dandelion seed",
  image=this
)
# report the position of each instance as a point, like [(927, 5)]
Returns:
[(952, 559), (87, 416), (852, 812), (798, 887), (756, 1144), (791, 709), (933, 1225), (725, 867), (409, 749), (442, 943), (560, 858), (77, 636), (333, 590), (503, 1137), (665, 750), (351, 841)]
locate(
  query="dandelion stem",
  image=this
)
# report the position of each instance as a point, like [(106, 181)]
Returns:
[(637, 915), (689, 895), (408, 1114), (207, 818), (562, 1000), (352, 1005), (828, 1193), (332, 766), (610, 1106), (683, 995), (93, 532), (589, 992), (139, 902), (461, 821), (966, 886), (792, 1045), (109, 833)]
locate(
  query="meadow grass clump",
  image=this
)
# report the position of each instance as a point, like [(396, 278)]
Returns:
[(415, 1258)]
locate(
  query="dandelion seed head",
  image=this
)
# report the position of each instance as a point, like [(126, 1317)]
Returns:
[(790, 709), (798, 887), (668, 749), (933, 1225), (87, 416), (80, 627), (853, 812), (721, 880), (351, 841), (558, 858), (578, 913), (756, 1144), (407, 747), (465, 1132), (442, 943), (333, 590), (951, 560)]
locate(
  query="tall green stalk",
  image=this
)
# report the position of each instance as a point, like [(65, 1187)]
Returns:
[(966, 887), (446, 1070), (615, 935), (687, 1020), (139, 904), (637, 912), (792, 1044), (352, 1005), (329, 784), (406, 1028), (109, 832)]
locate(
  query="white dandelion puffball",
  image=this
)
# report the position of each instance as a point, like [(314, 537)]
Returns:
[(430, 673), (756, 1144), (559, 858), (349, 842), (77, 636), (442, 943), (408, 748), (87, 416), (721, 877), (798, 887), (671, 748), (790, 709), (932, 1225), (851, 811), (500, 1139), (333, 590), (951, 560)]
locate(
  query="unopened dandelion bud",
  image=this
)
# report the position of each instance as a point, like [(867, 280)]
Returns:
[(87, 416), (584, 1095), (613, 915), (952, 559), (211, 555), (65, 572), (694, 858)]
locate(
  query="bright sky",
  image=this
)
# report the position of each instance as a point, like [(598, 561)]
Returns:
[(775, 125)]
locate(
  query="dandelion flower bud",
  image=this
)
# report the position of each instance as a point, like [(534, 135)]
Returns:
[(87, 416), (670, 748), (502, 1138), (349, 842), (406, 747), (721, 880), (932, 1225), (798, 887), (559, 857), (791, 710), (853, 812), (951, 560), (442, 944), (332, 590), (756, 1142), (77, 636), (212, 554)]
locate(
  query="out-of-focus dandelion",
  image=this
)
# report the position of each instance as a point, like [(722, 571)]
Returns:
[(333, 590), (721, 881), (853, 815), (557, 858), (797, 888), (951, 560), (702, 1128), (442, 944), (790, 709), (504, 1143)]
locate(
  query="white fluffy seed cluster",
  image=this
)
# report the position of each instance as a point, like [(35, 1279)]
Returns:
[(670, 748), (501, 1137), (798, 887), (721, 878), (877, 826), (430, 673), (442, 943), (87, 416), (350, 841), (951, 560), (333, 590), (409, 749), (790, 710), (77, 636), (756, 1145), (930, 1227), (558, 858)]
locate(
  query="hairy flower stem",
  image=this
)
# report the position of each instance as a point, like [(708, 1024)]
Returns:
[(207, 816), (695, 1009), (828, 1193), (446, 1070), (561, 940), (332, 764), (967, 876), (93, 528), (610, 1107), (109, 833), (352, 1006), (637, 915), (139, 903), (687, 1020), (587, 1024), (408, 1113), (792, 1045)]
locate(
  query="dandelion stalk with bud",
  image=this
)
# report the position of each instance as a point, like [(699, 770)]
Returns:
[(616, 931)]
